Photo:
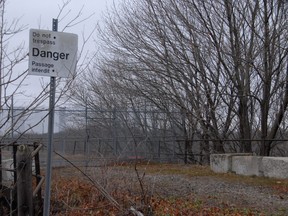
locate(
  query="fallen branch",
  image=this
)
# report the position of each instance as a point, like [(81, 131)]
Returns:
[(95, 183)]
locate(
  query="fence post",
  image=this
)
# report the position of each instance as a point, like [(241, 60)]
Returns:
[(24, 181)]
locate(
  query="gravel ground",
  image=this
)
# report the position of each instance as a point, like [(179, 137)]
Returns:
[(210, 190), (215, 192)]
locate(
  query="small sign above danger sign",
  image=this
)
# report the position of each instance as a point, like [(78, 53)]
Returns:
[(52, 53)]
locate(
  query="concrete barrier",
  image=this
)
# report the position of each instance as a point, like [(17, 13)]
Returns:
[(275, 167), (7, 165), (246, 164), (222, 163)]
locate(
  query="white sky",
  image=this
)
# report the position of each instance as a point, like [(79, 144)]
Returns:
[(38, 14)]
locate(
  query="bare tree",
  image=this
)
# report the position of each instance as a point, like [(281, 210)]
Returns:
[(222, 64), (252, 53), (163, 64)]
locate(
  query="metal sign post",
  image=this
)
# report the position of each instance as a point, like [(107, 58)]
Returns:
[(50, 138), (54, 54)]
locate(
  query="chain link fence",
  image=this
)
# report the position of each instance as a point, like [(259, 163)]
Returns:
[(117, 135)]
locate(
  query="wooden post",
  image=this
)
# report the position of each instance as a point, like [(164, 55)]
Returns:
[(0, 166), (14, 161), (24, 181), (38, 179)]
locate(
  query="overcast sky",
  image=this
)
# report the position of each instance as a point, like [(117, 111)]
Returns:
[(38, 14)]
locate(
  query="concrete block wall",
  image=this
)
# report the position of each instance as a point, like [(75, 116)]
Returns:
[(8, 164), (222, 163), (246, 164), (7, 175), (275, 167)]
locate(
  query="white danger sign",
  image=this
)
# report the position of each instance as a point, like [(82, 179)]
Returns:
[(52, 53)]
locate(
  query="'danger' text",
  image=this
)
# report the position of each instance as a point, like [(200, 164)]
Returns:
[(48, 54)]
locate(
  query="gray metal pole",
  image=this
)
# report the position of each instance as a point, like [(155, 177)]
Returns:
[(12, 117), (50, 137)]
